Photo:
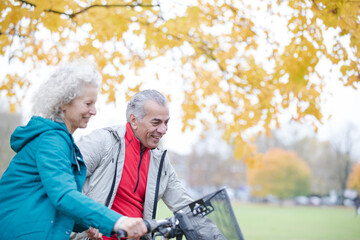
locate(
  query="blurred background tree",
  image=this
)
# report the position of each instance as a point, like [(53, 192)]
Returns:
[(8, 123), (354, 178), (209, 170), (281, 173), (343, 145), (211, 165), (242, 63), (330, 160)]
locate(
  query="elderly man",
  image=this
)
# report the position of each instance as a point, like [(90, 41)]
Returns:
[(125, 167)]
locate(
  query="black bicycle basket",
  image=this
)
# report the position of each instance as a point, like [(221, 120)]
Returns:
[(210, 218)]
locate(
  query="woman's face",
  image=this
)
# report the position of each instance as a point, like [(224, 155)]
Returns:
[(78, 112)]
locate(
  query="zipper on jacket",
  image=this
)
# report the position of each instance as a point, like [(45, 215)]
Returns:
[(108, 199), (76, 160), (138, 171)]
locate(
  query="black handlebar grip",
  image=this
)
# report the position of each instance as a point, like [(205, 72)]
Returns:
[(121, 234), (147, 224), (151, 225)]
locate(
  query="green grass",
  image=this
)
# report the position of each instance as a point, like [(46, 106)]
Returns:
[(267, 222)]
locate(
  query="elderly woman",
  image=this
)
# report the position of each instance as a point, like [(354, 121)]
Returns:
[(40, 192)]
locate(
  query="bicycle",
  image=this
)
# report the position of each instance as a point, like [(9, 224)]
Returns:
[(210, 217)]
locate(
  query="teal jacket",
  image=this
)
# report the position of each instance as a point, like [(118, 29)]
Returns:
[(40, 192)]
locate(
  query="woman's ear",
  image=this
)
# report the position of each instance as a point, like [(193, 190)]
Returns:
[(63, 107)]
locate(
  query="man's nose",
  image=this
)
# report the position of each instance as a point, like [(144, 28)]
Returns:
[(162, 129)]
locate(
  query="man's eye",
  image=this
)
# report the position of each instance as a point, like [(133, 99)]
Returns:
[(156, 123)]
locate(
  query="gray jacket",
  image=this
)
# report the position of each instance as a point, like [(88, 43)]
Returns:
[(103, 149)]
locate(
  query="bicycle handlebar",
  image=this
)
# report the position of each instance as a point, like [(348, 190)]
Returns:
[(121, 234), (151, 226)]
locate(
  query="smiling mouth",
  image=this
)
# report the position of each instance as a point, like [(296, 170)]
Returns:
[(86, 119)]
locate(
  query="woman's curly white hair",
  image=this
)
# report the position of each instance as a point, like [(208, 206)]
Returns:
[(64, 85)]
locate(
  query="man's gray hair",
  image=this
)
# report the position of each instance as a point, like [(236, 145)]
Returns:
[(64, 85), (137, 102)]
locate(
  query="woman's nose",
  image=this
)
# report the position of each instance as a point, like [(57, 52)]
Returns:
[(93, 110)]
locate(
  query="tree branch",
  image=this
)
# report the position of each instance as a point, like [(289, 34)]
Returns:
[(72, 15), (13, 34), (27, 3)]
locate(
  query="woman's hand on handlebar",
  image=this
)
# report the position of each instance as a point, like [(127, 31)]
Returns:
[(94, 234), (134, 227)]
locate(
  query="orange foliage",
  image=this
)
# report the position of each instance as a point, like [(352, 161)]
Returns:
[(354, 178), (281, 173)]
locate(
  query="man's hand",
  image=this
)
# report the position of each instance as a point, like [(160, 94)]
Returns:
[(94, 234), (134, 227)]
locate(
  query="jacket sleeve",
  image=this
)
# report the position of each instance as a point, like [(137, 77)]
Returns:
[(175, 195), (57, 176), (93, 147)]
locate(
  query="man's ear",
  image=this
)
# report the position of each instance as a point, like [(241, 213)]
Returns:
[(133, 122)]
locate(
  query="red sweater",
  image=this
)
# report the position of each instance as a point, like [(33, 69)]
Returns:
[(130, 196)]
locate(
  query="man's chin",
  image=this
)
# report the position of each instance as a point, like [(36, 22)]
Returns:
[(153, 145)]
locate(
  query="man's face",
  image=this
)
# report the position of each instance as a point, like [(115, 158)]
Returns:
[(153, 126)]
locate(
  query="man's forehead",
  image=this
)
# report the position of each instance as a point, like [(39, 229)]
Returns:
[(155, 112), (151, 107)]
